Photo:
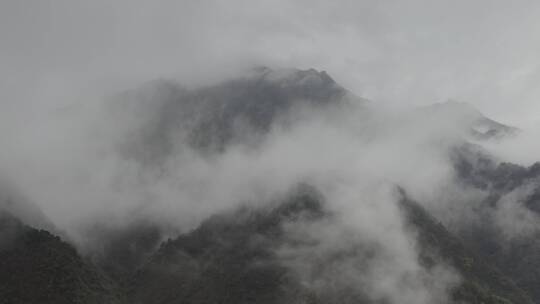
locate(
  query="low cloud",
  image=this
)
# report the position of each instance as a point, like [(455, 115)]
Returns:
[(73, 168)]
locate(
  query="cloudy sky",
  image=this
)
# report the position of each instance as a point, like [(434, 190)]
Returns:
[(394, 52)]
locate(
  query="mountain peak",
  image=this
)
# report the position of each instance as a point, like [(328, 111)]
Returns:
[(311, 77), (466, 115), (455, 107), (211, 117)]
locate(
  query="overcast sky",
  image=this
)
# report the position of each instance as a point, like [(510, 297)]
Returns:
[(394, 52)]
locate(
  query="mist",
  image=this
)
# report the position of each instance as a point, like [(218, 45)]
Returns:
[(81, 83), (398, 53), (71, 165)]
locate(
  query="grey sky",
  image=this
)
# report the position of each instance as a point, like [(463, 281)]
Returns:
[(394, 52)]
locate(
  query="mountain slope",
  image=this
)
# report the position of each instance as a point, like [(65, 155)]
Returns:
[(210, 118), (474, 123), (509, 188), (38, 267), (482, 282), (231, 258)]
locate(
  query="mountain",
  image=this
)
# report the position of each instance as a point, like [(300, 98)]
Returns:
[(516, 255), (245, 254), (171, 118), (483, 282), (229, 258), (232, 258), (210, 118), (38, 267), (460, 115)]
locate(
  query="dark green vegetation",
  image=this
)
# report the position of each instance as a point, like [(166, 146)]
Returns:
[(482, 282), (38, 267), (229, 258), (517, 257)]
